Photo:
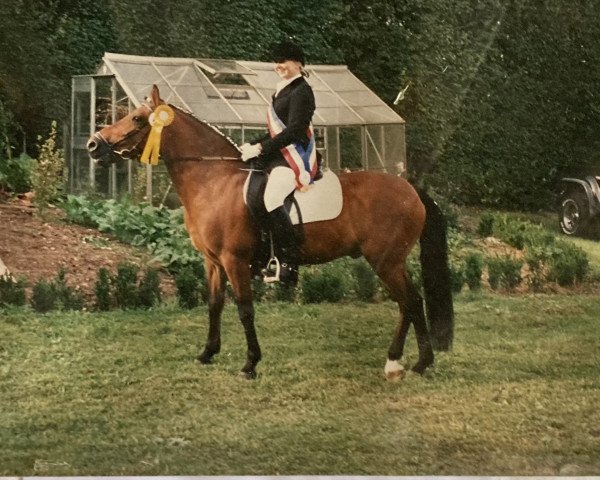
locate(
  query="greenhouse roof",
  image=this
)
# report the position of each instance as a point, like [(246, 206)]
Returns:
[(235, 92)]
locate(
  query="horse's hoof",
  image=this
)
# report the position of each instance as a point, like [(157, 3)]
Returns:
[(251, 375), (420, 368), (205, 359), (394, 371)]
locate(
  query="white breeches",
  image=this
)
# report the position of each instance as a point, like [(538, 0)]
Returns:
[(281, 183)]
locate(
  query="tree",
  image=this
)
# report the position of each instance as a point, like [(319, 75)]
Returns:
[(42, 44)]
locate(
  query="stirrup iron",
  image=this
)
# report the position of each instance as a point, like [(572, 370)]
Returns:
[(272, 271)]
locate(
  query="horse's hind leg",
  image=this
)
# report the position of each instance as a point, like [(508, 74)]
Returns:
[(410, 305), (416, 315), (216, 299)]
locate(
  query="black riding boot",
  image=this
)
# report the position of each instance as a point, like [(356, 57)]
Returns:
[(286, 241)]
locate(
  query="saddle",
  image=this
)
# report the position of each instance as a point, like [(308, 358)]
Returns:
[(323, 201)]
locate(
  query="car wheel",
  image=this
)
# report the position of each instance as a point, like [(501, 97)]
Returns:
[(574, 213)]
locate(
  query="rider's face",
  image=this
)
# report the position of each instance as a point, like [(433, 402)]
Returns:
[(288, 69)]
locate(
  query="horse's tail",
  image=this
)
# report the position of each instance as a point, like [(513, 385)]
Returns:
[(436, 275)]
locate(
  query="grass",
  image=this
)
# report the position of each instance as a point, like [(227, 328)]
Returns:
[(119, 393)]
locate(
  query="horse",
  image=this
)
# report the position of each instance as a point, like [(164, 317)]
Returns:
[(382, 219)]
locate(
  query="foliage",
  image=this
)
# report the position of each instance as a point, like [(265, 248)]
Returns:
[(473, 270), (504, 272), (187, 282), (568, 265), (12, 292), (548, 257), (58, 39), (457, 276), (366, 281), (47, 175), (161, 230), (15, 174), (125, 286), (284, 293), (149, 291), (496, 127), (486, 224), (102, 290), (43, 296), (68, 297), (323, 286), (476, 69)]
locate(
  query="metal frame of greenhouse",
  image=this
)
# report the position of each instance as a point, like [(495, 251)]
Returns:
[(354, 128)]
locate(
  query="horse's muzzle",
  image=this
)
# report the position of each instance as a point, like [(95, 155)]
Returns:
[(98, 146)]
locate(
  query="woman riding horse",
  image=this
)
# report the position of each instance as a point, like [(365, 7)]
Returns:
[(382, 218), (287, 153)]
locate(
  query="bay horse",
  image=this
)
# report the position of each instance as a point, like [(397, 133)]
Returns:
[(382, 218)]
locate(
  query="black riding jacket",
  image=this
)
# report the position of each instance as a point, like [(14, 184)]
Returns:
[(294, 106)]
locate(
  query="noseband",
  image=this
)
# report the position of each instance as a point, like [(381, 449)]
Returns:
[(114, 146)]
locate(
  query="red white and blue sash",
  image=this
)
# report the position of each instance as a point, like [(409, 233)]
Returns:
[(296, 156)]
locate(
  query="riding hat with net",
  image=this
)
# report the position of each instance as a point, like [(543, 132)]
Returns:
[(287, 50)]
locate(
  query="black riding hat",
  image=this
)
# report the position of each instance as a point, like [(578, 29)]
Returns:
[(287, 50)]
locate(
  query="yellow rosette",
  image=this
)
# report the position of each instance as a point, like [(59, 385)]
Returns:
[(162, 116)]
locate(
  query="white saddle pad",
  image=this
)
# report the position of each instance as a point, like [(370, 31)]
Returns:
[(322, 201)]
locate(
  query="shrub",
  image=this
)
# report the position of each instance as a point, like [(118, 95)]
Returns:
[(366, 281), (457, 276), (568, 265), (83, 211), (15, 174), (510, 230), (413, 268), (102, 290), (322, 286), (473, 270), (259, 289), (187, 283), (68, 297), (536, 257), (125, 286), (43, 296), (486, 225), (504, 272), (284, 293), (47, 174), (149, 289), (12, 292)]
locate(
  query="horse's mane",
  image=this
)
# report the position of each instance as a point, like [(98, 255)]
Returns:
[(207, 124)]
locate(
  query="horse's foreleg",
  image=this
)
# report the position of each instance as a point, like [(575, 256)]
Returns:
[(241, 282), (216, 299)]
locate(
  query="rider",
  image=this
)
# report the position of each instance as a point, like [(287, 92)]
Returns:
[(288, 152)]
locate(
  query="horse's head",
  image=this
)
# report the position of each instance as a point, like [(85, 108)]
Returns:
[(125, 138)]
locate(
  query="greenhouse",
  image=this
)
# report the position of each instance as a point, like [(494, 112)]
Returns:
[(354, 128)]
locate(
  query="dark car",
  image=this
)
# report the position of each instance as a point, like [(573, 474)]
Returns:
[(579, 205)]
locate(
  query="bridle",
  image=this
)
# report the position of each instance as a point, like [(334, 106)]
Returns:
[(113, 147)]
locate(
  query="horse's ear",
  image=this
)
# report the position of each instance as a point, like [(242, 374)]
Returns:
[(155, 96)]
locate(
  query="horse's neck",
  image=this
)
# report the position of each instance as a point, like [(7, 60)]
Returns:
[(191, 150), (188, 138)]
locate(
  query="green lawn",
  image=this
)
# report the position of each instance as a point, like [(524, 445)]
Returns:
[(119, 393)]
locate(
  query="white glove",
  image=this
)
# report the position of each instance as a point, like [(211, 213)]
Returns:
[(250, 151), (304, 180)]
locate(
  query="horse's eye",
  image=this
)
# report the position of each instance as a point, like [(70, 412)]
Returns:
[(139, 120)]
